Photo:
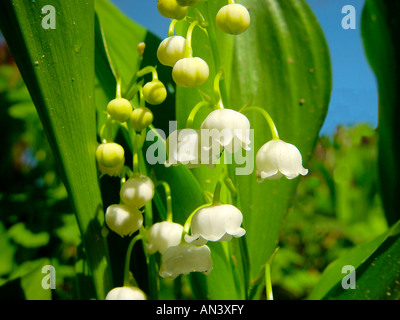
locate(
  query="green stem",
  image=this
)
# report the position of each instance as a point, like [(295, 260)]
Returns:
[(118, 93), (127, 281), (268, 279), (214, 49), (146, 70), (171, 29), (217, 194), (192, 114), (167, 190), (271, 124), (217, 90), (189, 50), (268, 282)]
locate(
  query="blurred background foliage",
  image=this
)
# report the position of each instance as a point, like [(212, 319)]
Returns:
[(337, 205)]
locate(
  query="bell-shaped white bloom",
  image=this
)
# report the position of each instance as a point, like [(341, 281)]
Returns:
[(137, 191), (215, 223), (185, 258), (171, 50), (277, 158), (187, 147), (163, 235), (229, 128), (123, 219), (126, 293)]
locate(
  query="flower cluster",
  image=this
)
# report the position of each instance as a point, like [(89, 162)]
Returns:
[(183, 248)]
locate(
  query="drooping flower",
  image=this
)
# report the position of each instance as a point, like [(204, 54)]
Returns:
[(229, 128), (137, 191), (163, 235), (218, 222), (277, 158), (187, 147), (233, 19), (141, 118), (190, 72), (123, 219), (126, 293), (120, 109), (110, 158), (185, 258), (154, 92), (171, 9), (171, 50)]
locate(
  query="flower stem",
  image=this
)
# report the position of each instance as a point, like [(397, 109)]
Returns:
[(189, 50), (214, 48), (192, 114), (268, 284), (118, 93), (127, 280), (171, 29), (268, 280), (217, 194), (217, 90), (271, 124), (168, 199)]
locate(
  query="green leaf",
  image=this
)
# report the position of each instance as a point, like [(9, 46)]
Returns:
[(26, 282), (333, 273), (380, 28), (26, 238), (57, 66), (378, 276)]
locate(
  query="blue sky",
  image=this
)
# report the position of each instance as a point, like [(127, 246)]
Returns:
[(354, 96)]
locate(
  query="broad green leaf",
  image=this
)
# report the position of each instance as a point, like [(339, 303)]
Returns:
[(378, 276), (281, 63), (380, 28), (57, 66), (25, 282), (333, 273)]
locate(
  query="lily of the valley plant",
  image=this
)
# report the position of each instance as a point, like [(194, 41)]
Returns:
[(184, 249)]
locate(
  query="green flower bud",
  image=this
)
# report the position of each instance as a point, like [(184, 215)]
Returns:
[(171, 9), (141, 118), (187, 3), (110, 158), (154, 92), (171, 50), (190, 72), (233, 18), (120, 109)]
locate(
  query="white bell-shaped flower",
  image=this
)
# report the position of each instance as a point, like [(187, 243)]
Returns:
[(229, 128), (163, 235), (126, 293), (171, 50), (187, 147), (277, 158), (137, 191), (123, 219), (185, 258), (215, 223)]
